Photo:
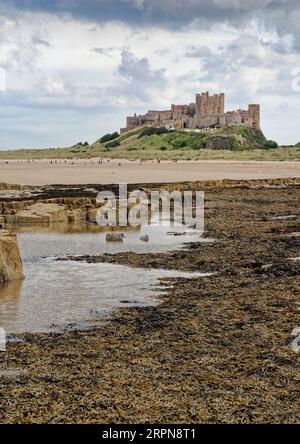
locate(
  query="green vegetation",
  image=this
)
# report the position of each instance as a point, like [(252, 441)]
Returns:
[(107, 137), (297, 145), (252, 136), (178, 140), (271, 144), (150, 131), (82, 144), (112, 144), (234, 143)]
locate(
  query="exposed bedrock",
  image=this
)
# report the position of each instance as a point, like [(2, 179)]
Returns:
[(11, 267), (47, 212), (75, 204)]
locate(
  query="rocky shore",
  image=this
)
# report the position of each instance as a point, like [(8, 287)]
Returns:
[(216, 350), (10, 262)]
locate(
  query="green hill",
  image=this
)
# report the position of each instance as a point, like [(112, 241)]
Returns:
[(234, 138), (236, 143)]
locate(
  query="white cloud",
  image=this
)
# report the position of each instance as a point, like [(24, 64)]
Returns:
[(93, 75)]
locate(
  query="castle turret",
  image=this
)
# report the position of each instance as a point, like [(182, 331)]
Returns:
[(254, 112), (210, 105)]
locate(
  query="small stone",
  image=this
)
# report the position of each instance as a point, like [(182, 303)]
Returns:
[(114, 237)]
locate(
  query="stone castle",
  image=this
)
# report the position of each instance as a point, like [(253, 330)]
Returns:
[(207, 112)]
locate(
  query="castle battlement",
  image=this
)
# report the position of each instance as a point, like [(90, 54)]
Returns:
[(207, 112)]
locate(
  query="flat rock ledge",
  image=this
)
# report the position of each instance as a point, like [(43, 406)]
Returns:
[(11, 267)]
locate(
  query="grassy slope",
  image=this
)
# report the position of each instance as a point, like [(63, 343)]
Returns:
[(177, 145)]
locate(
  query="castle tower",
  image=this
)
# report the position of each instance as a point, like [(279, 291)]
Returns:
[(254, 113), (210, 105)]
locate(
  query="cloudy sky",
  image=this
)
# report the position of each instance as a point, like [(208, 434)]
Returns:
[(71, 70)]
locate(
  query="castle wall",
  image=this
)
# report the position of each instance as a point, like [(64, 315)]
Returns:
[(179, 109), (158, 117), (206, 121), (249, 118), (207, 111), (183, 121)]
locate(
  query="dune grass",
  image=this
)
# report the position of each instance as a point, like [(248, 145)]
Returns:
[(177, 145)]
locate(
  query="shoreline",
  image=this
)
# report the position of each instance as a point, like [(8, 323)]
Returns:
[(105, 171), (216, 349), (130, 161)]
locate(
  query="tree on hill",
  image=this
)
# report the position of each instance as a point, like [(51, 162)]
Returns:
[(270, 144), (107, 137)]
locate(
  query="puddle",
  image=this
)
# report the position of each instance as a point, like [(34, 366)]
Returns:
[(74, 295), (57, 294), (67, 240)]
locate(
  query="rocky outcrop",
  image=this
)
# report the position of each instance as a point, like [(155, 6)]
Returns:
[(8, 186), (11, 267), (41, 209), (114, 237), (40, 213), (220, 142), (29, 212)]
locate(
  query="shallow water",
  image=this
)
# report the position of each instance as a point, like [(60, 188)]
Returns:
[(57, 295), (61, 239)]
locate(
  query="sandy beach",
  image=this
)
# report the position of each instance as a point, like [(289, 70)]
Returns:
[(96, 171)]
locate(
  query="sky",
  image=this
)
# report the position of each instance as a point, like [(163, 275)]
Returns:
[(72, 70)]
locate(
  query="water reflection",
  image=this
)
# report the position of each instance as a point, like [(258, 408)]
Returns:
[(66, 228), (10, 290), (64, 239), (55, 294)]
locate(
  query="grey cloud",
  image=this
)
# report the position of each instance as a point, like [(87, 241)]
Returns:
[(19, 50), (138, 82), (229, 68), (37, 40), (162, 52), (136, 85), (103, 51), (245, 51), (139, 70), (198, 52), (282, 15), (167, 12)]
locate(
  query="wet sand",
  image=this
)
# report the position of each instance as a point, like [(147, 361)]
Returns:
[(116, 171)]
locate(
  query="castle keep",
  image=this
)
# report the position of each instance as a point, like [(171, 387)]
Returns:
[(207, 112)]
